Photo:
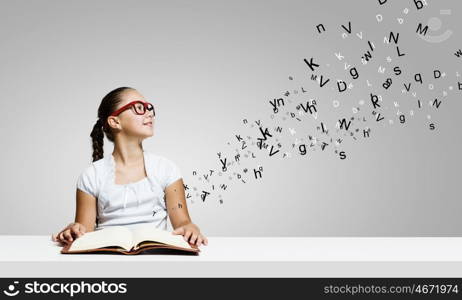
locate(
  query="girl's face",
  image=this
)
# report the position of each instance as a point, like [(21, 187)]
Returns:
[(129, 122)]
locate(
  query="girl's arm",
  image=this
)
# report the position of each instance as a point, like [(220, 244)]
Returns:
[(85, 218), (86, 210), (179, 216)]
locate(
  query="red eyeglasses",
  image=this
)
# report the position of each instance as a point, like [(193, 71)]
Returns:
[(139, 106)]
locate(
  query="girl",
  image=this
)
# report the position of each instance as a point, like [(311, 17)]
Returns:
[(130, 186)]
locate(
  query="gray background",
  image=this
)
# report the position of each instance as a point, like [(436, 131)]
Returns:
[(206, 65)]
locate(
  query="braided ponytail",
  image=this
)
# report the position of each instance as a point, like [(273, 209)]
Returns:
[(107, 106), (97, 137)]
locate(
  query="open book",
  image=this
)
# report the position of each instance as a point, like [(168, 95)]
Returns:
[(130, 240)]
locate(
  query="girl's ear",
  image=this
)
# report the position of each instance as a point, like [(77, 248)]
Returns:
[(114, 122)]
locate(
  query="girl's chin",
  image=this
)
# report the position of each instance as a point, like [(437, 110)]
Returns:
[(146, 133)]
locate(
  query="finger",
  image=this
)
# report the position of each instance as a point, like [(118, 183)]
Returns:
[(53, 237), (64, 240), (68, 235), (61, 239), (79, 231), (206, 241), (199, 241), (193, 238), (187, 235), (75, 232), (56, 238)]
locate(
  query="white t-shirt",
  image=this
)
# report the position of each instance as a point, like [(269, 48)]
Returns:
[(133, 203)]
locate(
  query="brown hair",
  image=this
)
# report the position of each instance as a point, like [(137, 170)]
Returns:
[(107, 106)]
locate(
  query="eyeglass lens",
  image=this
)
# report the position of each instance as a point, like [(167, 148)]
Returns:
[(139, 108)]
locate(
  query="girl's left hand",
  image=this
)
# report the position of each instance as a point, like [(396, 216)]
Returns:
[(192, 233)]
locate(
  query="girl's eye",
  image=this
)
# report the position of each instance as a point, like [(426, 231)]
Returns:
[(139, 107)]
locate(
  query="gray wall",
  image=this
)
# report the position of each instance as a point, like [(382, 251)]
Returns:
[(207, 65)]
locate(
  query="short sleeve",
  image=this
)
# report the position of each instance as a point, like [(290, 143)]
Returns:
[(87, 181), (172, 172)]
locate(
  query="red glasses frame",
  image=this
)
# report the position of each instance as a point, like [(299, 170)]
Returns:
[(129, 105)]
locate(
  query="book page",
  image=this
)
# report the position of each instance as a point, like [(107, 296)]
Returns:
[(105, 237), (148, 232)]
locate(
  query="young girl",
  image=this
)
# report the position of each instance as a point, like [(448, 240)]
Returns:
[(131, 185)]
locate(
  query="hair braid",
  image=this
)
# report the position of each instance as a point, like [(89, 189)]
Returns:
[(97, 137)]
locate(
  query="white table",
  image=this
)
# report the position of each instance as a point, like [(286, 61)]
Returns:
[(38, 256)]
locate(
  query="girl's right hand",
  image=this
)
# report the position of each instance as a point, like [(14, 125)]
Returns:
[(70, 233)]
